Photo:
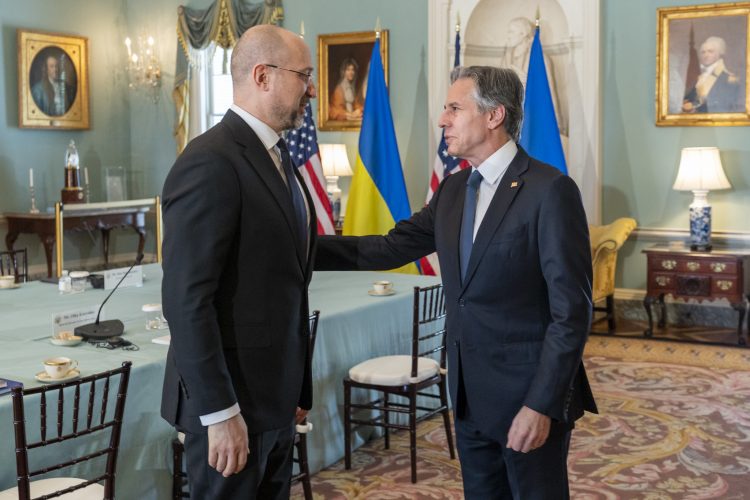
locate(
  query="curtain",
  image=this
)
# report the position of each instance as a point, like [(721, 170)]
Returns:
[(222, 23)]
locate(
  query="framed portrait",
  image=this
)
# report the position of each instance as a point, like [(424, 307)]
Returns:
[(702, 65), (343, 64), (53, 84)]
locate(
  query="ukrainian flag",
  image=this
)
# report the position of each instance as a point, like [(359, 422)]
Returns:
[(377, 197)]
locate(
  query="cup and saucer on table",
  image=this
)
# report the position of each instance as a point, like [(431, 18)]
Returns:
[(67, 339), (381, 288), (8, 282), (58, 369)]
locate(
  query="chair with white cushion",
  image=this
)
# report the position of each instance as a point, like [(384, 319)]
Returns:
[(89, 415), (407, 376)]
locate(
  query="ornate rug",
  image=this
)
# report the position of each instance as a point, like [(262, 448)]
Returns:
[(674, 423)]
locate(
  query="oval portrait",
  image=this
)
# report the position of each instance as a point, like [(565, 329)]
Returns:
[(53, 81)]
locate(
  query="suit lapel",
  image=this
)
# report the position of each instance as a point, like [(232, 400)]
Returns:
[(312, 229), (260, 160), (509, 187)]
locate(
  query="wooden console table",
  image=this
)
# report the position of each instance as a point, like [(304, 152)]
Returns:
[(720, 274), (43, 225)]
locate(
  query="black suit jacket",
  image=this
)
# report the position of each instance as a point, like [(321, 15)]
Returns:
[(518, 324), (235, 284)]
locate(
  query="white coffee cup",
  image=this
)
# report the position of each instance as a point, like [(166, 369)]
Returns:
[(382, 286), (7, 281), (59, 367)]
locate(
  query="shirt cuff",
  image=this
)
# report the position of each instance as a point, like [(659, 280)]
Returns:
[(221, 415)]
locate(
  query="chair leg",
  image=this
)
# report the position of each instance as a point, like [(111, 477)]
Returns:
[(413, 433), (386, 421), (611, 313), (447, 418), (177, 453), (347, 425), (303, 466)]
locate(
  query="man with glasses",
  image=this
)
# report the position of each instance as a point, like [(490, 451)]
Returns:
[(236, 265)]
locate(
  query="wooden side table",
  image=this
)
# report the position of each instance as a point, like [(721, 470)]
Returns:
[(720, 274), (43, 225)]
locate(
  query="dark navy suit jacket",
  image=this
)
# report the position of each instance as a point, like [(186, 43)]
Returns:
[(235, 284), (518, 323)]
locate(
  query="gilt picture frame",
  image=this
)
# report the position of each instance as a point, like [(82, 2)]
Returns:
[(343, 66), (53, 83), (703, 65)]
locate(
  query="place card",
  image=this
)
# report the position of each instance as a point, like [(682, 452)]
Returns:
[(112, 276), (68, 320)]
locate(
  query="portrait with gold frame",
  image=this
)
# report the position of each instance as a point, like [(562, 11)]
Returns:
[(703, 65), (343, 66), (53, 83)]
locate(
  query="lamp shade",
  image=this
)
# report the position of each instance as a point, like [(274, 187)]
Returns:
[(700, 170), (335, 160)]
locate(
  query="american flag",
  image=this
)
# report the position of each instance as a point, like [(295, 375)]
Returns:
[(444, 166), (303, 148)]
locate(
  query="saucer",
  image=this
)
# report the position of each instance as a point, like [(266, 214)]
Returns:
[(69, 342), (13, 287), (46, 379), (383, 294)]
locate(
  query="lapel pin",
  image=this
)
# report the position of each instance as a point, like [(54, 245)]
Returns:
[(513, 184)]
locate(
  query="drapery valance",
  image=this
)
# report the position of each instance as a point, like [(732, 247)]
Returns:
[(222, 23)]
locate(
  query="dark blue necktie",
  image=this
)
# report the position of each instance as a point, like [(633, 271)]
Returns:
[(467, 222), (300, 213)]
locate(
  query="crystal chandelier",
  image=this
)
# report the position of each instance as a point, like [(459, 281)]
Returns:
[(144, 70)]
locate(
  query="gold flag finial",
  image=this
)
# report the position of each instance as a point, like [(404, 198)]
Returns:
[(302, 29), (458, 22), (537, 16), (377, 27)]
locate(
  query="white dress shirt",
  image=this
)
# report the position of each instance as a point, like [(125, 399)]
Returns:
[(492, 169), (269, 138)]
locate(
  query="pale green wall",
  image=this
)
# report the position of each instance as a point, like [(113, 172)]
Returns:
[(640, 160), (130, 130), (106, 143)]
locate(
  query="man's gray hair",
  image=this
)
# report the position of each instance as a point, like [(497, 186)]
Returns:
[(718, 42), (495, 87)]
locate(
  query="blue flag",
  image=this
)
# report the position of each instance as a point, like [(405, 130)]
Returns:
[(540, 136)]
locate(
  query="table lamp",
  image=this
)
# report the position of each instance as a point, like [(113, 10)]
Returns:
[(700, 172), (335, 164)]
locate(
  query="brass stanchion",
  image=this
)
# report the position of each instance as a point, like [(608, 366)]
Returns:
[(157, 210), (59, 237)]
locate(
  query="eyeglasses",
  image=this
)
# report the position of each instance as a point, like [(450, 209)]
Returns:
[(306, 77)]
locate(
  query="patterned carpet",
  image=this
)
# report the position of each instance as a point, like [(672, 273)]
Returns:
[(674, 424)]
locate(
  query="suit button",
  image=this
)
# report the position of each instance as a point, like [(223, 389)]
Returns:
[(461, 302), (455, 343)]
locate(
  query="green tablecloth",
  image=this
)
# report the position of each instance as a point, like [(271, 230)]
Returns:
[(353, 327)]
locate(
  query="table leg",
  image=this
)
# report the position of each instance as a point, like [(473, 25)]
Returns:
[(647, 302), (141, 230), (105, 246), (663, 306), (741, 308), (49, 247)]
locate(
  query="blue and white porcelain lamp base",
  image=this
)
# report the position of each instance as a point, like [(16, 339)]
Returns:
[(700, 222)]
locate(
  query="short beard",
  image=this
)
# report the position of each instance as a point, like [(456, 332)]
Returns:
[(289, 120)]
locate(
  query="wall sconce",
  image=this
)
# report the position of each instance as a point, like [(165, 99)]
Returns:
[(144, 70), (700, 172), (335, 164)]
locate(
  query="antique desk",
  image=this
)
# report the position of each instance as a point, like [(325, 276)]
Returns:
[(43, 225), (720, 274)]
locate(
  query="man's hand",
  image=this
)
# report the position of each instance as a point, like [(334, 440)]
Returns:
[(228, 446), (300, 415), (528, 431)]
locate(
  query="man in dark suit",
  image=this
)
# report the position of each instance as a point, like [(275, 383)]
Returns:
[(238, 249), (512, 239)]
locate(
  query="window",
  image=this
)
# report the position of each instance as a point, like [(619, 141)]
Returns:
[(219, 85)]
